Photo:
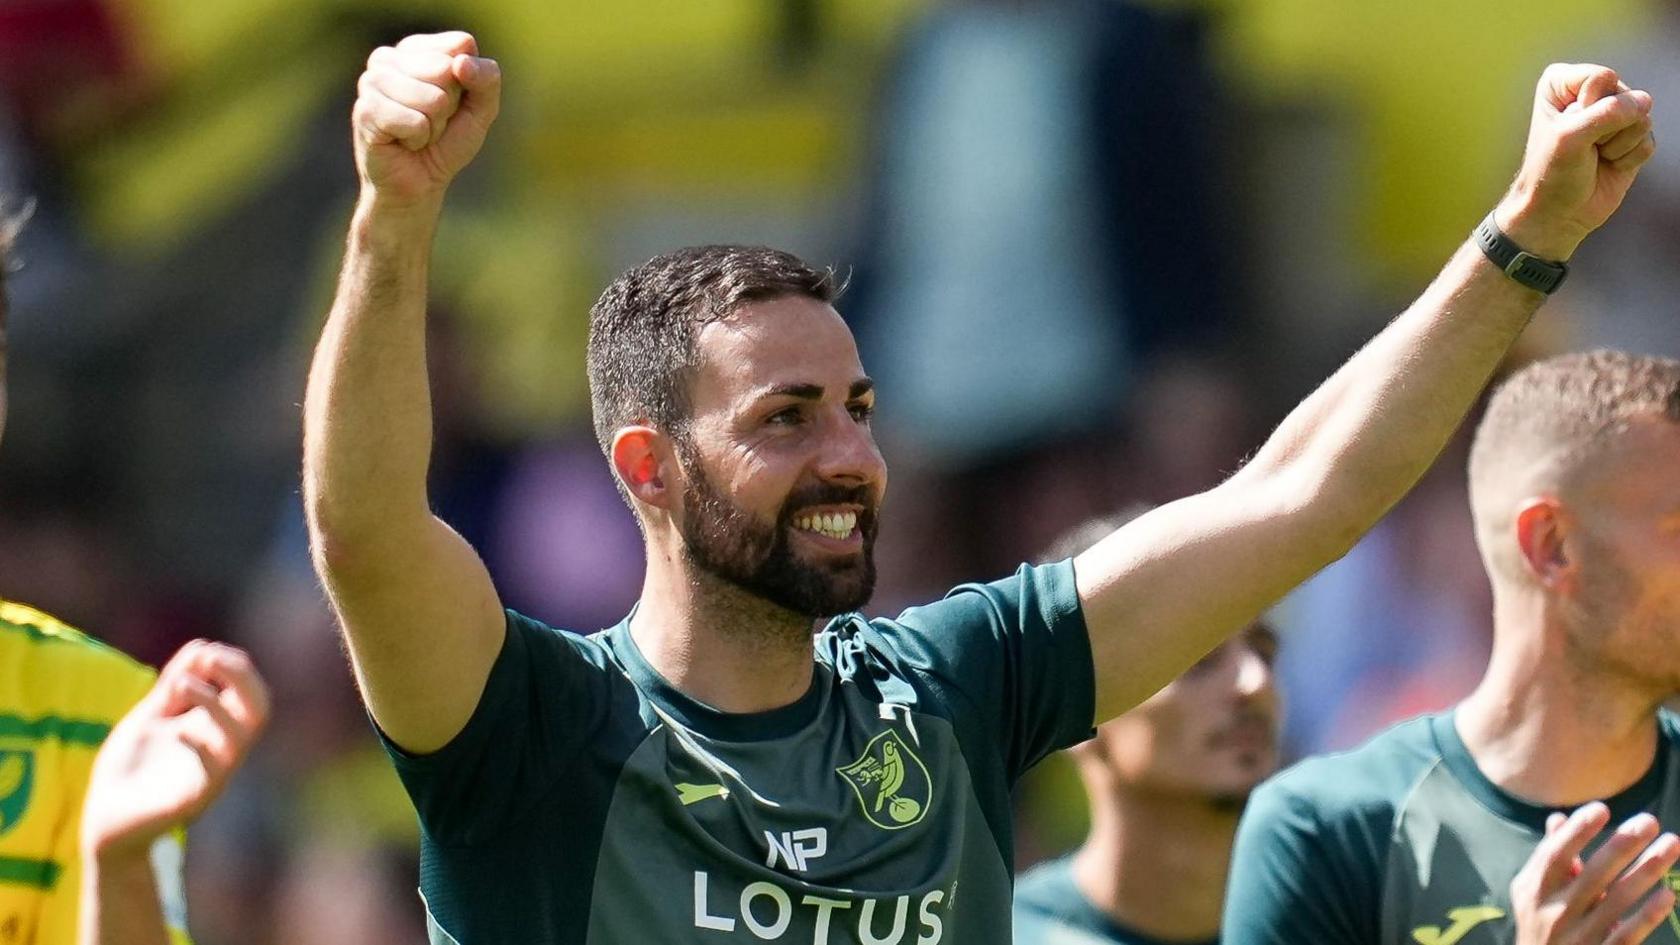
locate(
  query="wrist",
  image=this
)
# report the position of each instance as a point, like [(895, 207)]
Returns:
[(1518, 219), (116, 859), (380, 211)]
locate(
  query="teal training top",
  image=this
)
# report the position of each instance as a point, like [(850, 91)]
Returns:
[(588, 802), (1050, 910), (1404, 841)]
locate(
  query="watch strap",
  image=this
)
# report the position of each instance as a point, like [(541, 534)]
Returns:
[(1522, 266)]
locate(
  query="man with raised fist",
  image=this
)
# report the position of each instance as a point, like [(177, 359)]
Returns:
[(711, 769)]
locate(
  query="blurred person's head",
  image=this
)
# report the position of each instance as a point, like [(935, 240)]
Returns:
[(1208, 737), (1575, 493), (730, 400)]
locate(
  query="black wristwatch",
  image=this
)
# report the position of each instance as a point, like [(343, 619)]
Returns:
[(1525, 267)]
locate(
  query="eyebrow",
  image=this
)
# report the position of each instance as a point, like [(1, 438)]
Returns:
[(859, 387)]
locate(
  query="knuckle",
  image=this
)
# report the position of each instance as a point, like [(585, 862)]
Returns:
[(380, 55), (433, 101), (416, 125)]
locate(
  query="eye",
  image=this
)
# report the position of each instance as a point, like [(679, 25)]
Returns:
[(861, 412), (1265, 646), (787, 416)]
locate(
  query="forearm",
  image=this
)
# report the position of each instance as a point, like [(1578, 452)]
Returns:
[(119, 902), (1360, 441), (367, 412)]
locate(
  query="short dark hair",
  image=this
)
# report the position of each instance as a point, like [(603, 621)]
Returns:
[(642, 330)]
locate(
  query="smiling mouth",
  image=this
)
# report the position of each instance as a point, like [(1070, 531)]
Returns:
[(835, 525)]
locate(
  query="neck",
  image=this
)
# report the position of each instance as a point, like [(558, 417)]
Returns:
[(719, 644), (1545, 727), (1158, 864)]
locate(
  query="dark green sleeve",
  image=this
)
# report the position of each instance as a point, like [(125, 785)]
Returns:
[(546, 695), (1296, 878), (1008, 662)]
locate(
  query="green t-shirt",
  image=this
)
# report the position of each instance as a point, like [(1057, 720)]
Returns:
[(587, 802), (1403, 841), (1050, 910)]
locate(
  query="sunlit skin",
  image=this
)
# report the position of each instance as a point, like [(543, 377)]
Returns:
[(1167, 782), (1586, 578), (779, 405)]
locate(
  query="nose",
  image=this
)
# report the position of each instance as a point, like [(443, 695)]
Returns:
[(849, 453), (1255, 678)]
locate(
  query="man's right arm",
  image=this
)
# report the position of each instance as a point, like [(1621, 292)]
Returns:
[(423, 622)]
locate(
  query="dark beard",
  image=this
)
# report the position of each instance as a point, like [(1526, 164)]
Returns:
[(721, 539)]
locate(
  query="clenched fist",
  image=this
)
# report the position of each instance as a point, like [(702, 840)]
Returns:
[(422, 110), (1588, 138)]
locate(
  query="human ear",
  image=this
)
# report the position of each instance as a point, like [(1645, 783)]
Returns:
[(638, 459), (1543, 534)]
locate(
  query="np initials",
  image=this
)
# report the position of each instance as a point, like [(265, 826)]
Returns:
[(796, 848)]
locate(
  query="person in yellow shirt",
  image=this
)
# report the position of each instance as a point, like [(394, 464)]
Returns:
[(90, 837)]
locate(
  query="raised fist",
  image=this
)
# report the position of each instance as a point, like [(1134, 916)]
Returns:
[(422, 110), (1589, 136)]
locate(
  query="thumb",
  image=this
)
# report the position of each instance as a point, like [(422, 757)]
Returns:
[(481, 77), (482, 81)]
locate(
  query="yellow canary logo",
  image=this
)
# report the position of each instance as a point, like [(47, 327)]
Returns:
[(891, 783)]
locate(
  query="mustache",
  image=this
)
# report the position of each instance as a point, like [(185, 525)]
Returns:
[(828, 493), (1247, 723)]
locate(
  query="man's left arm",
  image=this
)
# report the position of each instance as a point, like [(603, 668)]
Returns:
[(1167, 588), (161, 766)]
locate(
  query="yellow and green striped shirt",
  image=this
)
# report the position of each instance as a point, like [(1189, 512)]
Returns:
[(60, 693)]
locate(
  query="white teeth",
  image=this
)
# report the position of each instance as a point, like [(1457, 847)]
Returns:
[(836, 525)]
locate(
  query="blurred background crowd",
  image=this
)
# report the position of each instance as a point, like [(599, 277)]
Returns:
[(1096, 249)]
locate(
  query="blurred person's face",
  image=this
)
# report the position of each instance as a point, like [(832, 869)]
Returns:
[(1211, 734), (783, 480), (1610, 553)]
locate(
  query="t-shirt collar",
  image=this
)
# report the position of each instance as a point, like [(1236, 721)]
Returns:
[(707, 720)]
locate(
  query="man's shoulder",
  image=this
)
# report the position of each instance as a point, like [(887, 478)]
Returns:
[(1049, 908), (69, 672), (1369, 781), (1037, 595), (597, 647)]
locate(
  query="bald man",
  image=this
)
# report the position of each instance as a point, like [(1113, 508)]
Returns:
[(1451, 829)]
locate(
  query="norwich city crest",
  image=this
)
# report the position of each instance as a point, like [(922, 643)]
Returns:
[(17, 777), (891, 783)]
